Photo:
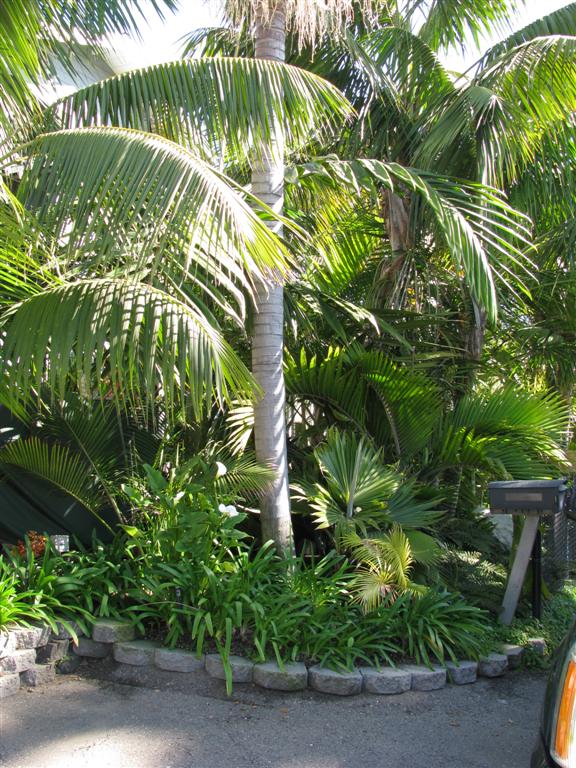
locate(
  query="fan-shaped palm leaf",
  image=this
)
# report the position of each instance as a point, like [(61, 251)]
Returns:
[(360, 492), (385, 563)]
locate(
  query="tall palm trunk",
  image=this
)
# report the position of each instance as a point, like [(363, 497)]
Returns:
[(268, 336)]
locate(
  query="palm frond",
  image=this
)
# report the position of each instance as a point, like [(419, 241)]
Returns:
[(121, 339), (222, 108), (476, 222), (453, 22), (503, 112), (560, 22), (32, 36), (131, 192), (59, 465), (244, 475)]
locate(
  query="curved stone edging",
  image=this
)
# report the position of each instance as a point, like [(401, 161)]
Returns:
[(28, 657), (296, 676)]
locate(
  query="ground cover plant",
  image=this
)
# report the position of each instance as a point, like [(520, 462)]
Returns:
[(558, 616)]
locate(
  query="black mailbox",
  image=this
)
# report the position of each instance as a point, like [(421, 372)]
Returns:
[(516, 496)]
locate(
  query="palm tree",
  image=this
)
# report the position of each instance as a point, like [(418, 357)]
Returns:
[(268, 329), (309, 20), (143, 245), (154, 244)]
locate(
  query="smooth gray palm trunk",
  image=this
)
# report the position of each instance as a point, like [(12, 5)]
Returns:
[(268, 335)]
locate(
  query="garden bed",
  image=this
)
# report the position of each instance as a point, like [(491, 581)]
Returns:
[(30, 656)]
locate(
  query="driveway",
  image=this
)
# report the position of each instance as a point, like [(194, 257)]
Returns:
[(166, 721)]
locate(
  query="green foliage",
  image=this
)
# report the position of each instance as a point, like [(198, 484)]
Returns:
[(359, 490), (480, 581), (189, 574), (17, 605), (228, 108), (37, 588), (557, 618), (385, 564), (439, 625)]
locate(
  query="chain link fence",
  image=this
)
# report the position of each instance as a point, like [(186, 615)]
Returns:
[(559, 540)]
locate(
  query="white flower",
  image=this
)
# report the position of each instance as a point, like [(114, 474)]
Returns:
[(229, 511), (220, 469)]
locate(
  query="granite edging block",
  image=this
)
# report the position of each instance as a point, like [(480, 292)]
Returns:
[(387, 681), (336, 683), (242, 669), (138, 653), (294, 677)]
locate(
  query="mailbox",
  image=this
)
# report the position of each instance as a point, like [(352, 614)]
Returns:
[(518, 496), (530, 498)]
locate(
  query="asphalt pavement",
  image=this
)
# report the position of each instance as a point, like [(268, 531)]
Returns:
[(179, 721)]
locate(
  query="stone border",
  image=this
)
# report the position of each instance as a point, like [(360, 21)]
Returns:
[(28, 657)]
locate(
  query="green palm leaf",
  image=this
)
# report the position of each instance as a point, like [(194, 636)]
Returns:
[(60, 466), (453, 22), (124, 339), (503, 113), (477, 224), (560, 22), (34, 34), (222, 108), (132, 193)]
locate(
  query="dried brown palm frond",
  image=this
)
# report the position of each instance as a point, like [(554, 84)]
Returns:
[(309, 20)]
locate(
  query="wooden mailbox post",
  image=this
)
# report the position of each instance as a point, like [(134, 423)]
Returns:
[(530, 498)]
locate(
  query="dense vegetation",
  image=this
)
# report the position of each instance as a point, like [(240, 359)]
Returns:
[(429, 318)]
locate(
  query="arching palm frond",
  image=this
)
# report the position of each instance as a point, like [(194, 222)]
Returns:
[(244, 476), (123, 339), (411, 403), (33, 35), (395, 406), (224, 109), (327, 382), (219, 41), (503, 112), (129, 191), (24, 256), (510, 409), (58, 465), (560, 22), (452, 22), (81, 447), (504, 434), (475, 221)]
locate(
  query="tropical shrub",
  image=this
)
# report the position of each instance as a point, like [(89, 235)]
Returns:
[(35, 587), (558, 615)]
